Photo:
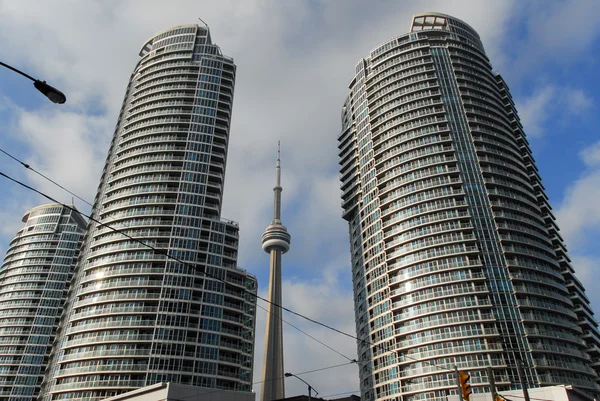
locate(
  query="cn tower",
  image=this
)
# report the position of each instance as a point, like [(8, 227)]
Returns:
[(276, 242)]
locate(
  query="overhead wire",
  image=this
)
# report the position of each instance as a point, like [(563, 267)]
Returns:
[(27, 166), (193, 267), (168, 255), (268, 380), (334, 395), (353, 360)]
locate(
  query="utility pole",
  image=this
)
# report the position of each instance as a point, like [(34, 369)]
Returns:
[(490, 373), (522, 378)]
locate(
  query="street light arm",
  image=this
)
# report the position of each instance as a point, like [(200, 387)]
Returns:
[(49, 91), (18, 71), (303, 381)]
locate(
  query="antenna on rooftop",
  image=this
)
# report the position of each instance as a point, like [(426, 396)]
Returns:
[(201, 20)]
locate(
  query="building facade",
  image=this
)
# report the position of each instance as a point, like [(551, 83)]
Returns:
[(34, 279), (136, 317), (456, 257)]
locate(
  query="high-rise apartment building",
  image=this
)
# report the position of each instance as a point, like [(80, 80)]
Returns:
[(456, 257), (34, 279), (134, 316)]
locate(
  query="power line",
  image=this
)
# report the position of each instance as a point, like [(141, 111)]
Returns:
[(264, 381), (308, 335), (168, 255), (334, 395), (193, 267), (308, 371), (27, 166), (54, 182)]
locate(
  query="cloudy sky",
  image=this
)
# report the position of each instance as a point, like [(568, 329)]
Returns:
[(295, 59)]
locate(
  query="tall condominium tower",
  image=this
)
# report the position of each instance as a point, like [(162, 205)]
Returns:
[(136, 317), (34, 279), (456, 257), (275, 241)]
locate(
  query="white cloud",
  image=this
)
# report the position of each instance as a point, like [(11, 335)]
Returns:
[(556, 31), (578, 102), (578, 213), (68, 147), (579, 220), (559, 102), (591, 155), (534, 110)]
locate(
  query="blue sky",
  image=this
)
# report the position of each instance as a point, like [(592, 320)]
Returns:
[(294, 60)]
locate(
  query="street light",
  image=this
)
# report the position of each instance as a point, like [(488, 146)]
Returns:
[(310, 388), (49, 91)]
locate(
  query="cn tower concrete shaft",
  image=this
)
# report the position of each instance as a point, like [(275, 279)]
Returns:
[(276, 242)]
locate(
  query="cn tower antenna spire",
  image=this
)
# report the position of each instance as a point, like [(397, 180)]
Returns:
[(277, 189), (275, 241)]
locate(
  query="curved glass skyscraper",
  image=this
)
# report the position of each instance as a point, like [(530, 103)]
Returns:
[(135, 317), (34, 280), (456, 257)]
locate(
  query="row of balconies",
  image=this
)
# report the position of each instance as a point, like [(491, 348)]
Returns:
[(543, 304), (127, 136), (149, 139), (169, 96), (417, 191), (437, 293), (529, 264), (119, 296), (460, 334), (441, 320), (405, 103), (390, 57), (428, 242), (405, 146), (165, 88), (149, 81), (144, 160), (441, 150), (382, 79), (449, 206), (131, 202), (146, 150), (403, 174), (136, 110), (412, 357), (438, 279), (539, 290), (400, 117), (423, 197), (437, 266), (426, 231), (516, 248)]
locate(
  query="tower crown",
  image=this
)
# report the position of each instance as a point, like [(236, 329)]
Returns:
[(276, 235)]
